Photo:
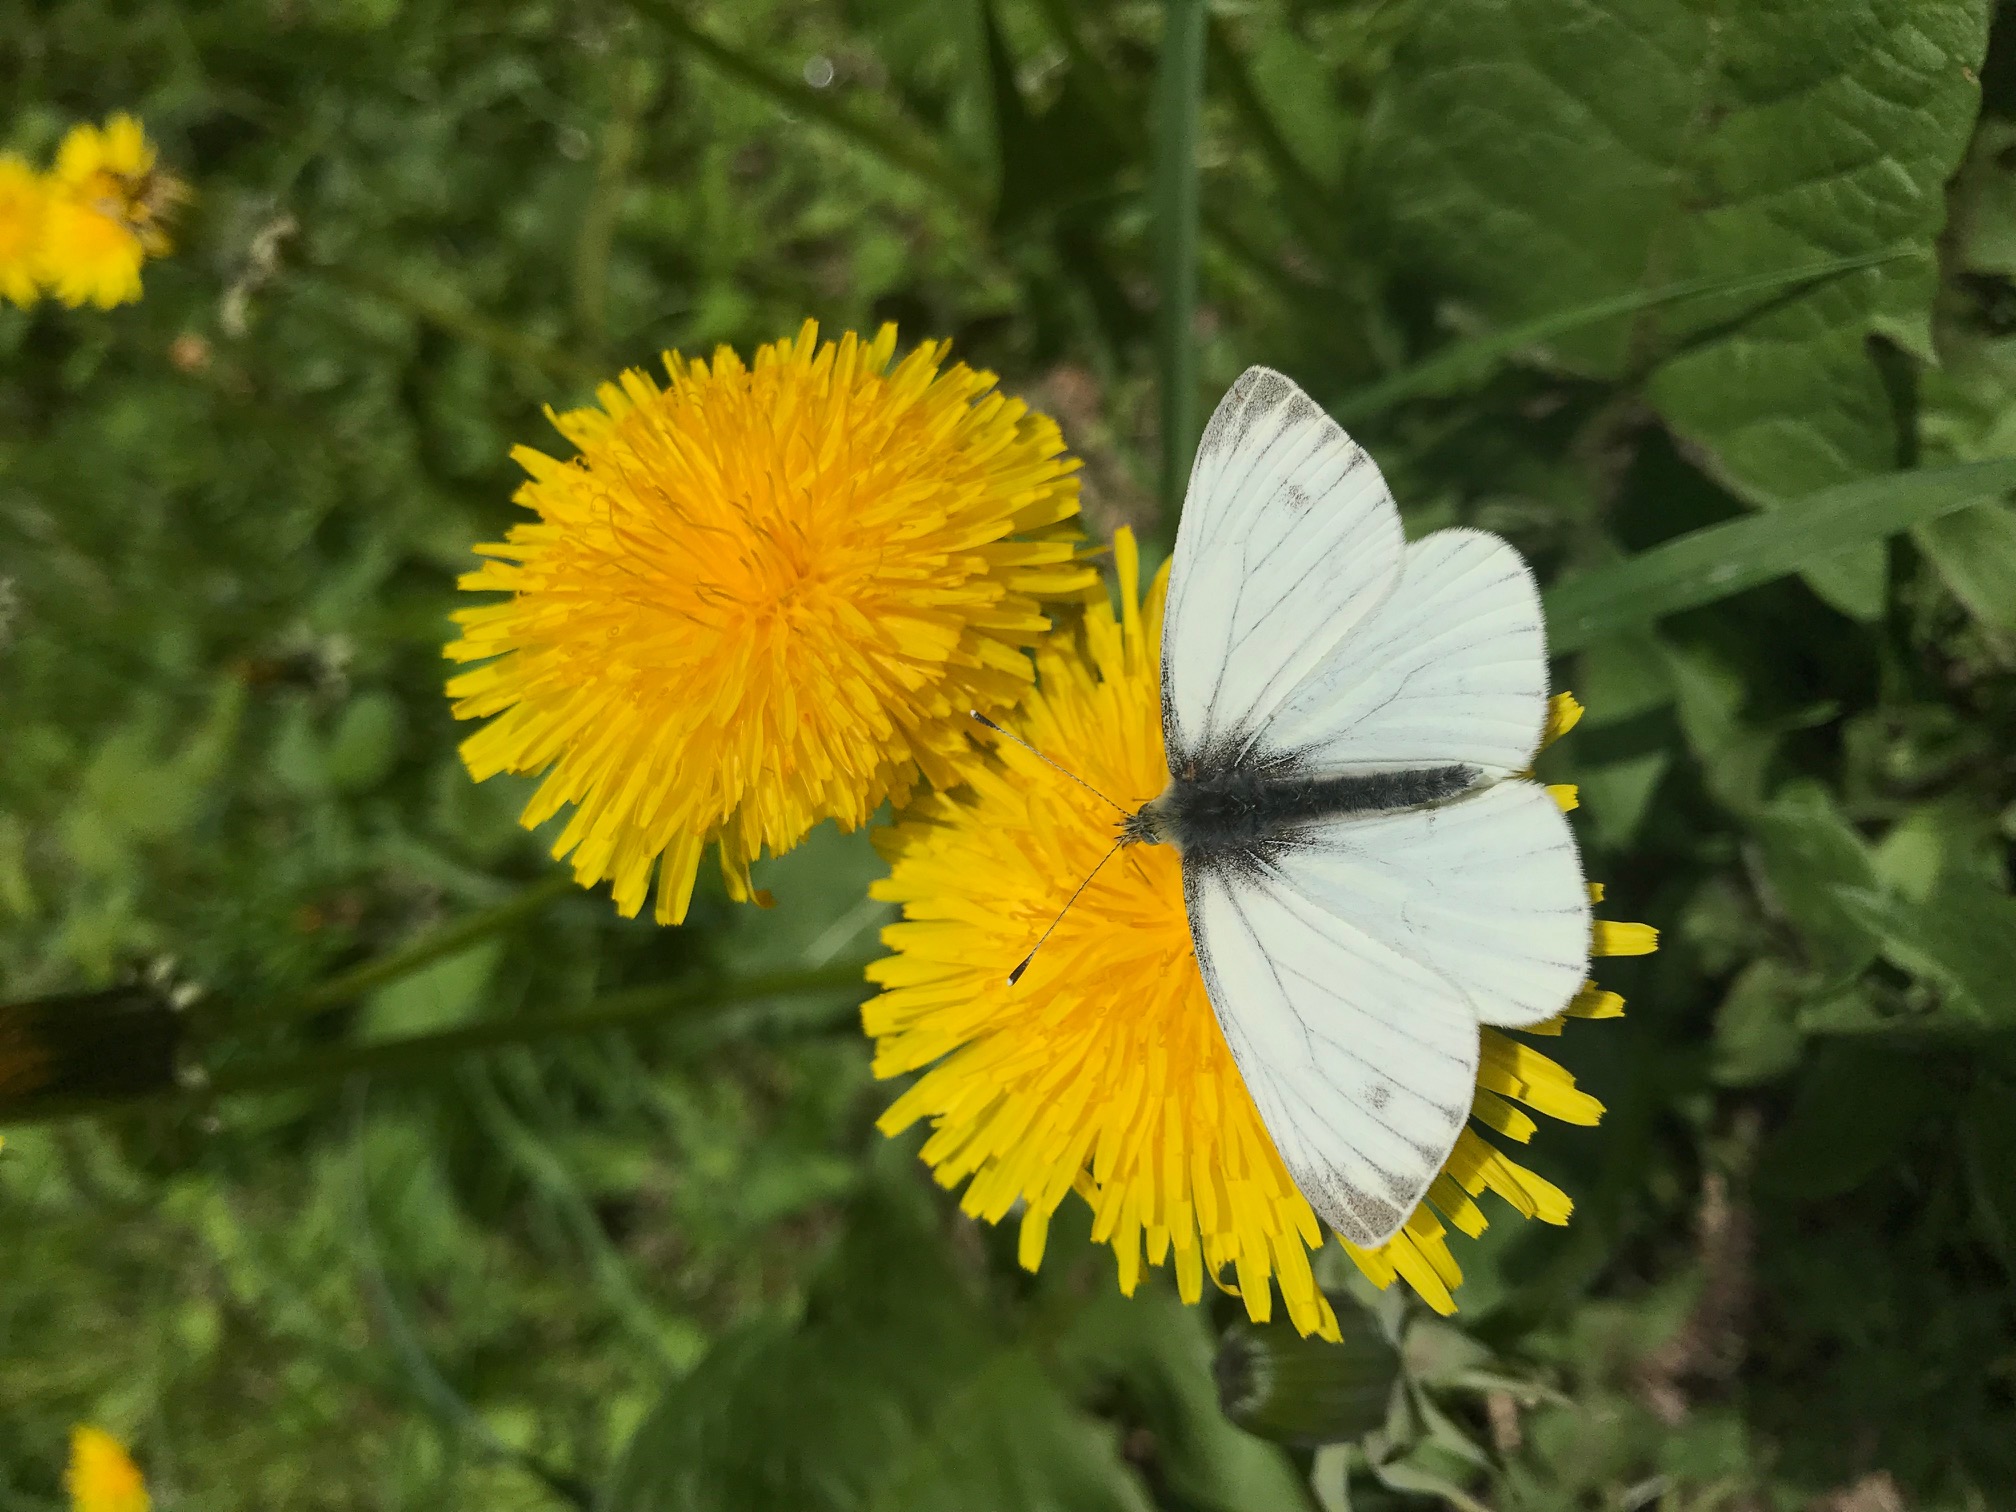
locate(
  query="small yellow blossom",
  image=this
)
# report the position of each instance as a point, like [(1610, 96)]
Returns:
[(1105, 1073), (107, 209), (102, 1476), (23, 205), (760, 597)]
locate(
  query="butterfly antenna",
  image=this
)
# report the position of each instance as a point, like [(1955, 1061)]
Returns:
[(1123, 813), (1016, 975)]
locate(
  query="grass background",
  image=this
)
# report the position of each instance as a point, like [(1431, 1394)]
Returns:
[(1592, 273)]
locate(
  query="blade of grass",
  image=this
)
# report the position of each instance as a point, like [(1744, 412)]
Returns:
[(815, 105), (1706, 565), (1175, 200), (1463, 358)]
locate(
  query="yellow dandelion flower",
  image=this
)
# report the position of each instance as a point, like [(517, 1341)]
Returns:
[(102, 1475), (108, 205), (1105, 1072), (23, 205), (763, 596)]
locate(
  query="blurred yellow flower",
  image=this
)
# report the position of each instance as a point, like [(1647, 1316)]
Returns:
[(106, 215), (102, 1475), (760, 597), (1105, 1072), (23, 202)]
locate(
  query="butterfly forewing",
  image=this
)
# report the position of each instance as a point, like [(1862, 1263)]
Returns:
[(1288, 538)]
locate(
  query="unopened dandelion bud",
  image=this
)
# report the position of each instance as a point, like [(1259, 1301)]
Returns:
[(1306, 1391), (105, 1046)]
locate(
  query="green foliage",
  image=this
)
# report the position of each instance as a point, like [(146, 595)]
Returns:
[(507, 1203)]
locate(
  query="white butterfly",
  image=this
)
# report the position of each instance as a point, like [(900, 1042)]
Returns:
[(1369, 876)]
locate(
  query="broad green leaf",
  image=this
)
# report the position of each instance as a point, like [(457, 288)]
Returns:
[(1808, 855), (1975, 552), (1050, 158), (365, 743), (895, 1393), (1010, 1441), (1988, 1145), (1964, 402), (1757, 1034), (437, 996), (1532, 157), (1962, 938), (1469, 361), (1158, 1353), (1706, 565), (1857, 1106)]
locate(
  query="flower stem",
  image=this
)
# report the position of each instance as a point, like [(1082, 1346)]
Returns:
[(348, 985), (617, 1010), (1176, 206)]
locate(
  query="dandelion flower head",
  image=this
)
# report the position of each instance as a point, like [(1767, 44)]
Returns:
[(23, 204), (1104, 1071), (107, 212), (761, 596), (102, 1476)]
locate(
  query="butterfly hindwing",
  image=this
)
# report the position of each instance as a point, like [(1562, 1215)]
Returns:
[(1288, 538), (1363, 1097), (1350, 963)]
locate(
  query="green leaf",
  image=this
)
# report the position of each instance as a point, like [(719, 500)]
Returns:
[(1964, 409), (1962, 938), (1535, 158), (1857, 1106), (1975, 552), (365, 743), (1809, 856), (1469, 362), (1712, 563), (438, 996), (1050, 158), (1155, 1354), (895, 1391), (895, 145), (1757, 1033)]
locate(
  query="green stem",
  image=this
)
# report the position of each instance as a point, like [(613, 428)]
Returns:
[(815, 105), (617, 1010), (1180, 90), (349, 985)]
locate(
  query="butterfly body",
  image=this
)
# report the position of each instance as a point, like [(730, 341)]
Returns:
[(1369, 873), (1240, 815)]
